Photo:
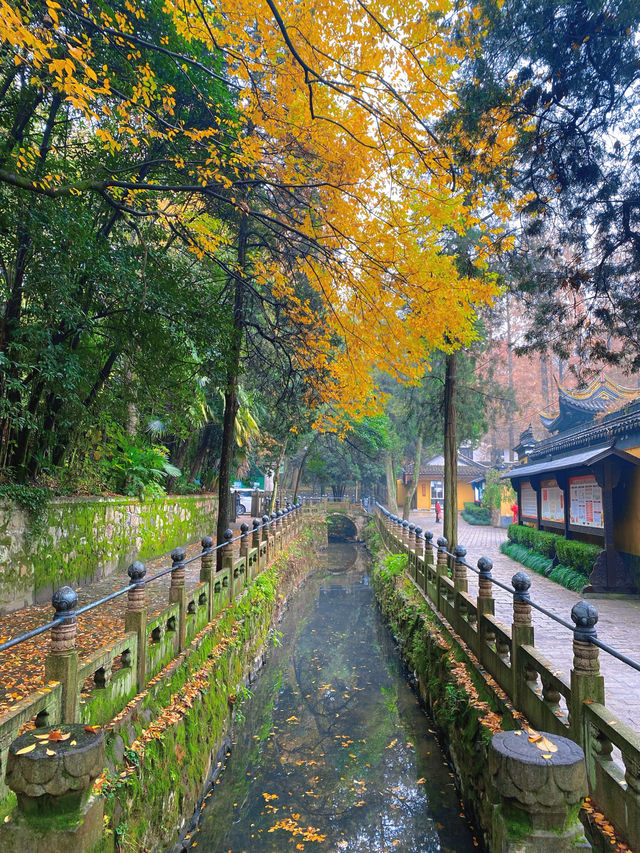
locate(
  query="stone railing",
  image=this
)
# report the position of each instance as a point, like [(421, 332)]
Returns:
[(574, 707), (96, 688)]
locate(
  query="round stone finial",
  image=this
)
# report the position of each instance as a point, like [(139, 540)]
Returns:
[(442, 543), (279, 514), (207, 542), (485, 565), (412, 527), (585, 616), (273, 516), (228, 534), (405, 524), (428, 535), (178, 555), (460, 551), (256, 523), (64, 600), (265, 519), (137, 571), (244, 527), (418, 531), (521, 582)]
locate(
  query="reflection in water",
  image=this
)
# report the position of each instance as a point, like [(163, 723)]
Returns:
[(336, 753)]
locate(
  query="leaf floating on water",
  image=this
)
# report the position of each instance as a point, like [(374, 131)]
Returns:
[(26, 749)]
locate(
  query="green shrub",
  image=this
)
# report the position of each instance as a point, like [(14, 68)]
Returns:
[(527, 557), (545, 543), (577, 555), (521, 534), (570, 578), (476, 514), (394, 565)]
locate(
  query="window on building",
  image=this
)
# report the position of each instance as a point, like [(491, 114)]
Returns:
[(437, 491)]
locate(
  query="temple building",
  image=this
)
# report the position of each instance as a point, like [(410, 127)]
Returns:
[(583, 481), (431, 482)]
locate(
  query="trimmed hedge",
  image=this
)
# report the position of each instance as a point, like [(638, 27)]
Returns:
[(578, 555), (566, 576), (473, 514), (570, 553)]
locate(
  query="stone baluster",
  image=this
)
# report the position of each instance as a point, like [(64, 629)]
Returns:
[(405, 536), (255, 544), (428, 550), (485, 603), (419, 543), (178, 593), (460, 582), (272, 535), (279, 532), (586, 681), (61, 664), (244, 549), (411, 538), (208, 570), (521, 635), (442, 570), (135, 620)]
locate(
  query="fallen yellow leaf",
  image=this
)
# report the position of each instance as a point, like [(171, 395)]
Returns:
[(26, 749)]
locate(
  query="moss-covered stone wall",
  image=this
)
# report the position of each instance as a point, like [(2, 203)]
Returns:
[(163, 747), (466, 709), (82, 539)]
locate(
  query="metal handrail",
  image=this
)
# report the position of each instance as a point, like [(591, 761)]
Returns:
[(41, 629), (589, 637)]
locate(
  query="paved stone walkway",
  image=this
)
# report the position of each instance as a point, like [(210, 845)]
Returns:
[(618, 624)]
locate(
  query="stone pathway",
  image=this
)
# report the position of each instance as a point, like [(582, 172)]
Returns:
[(22, 667), (618, 624)]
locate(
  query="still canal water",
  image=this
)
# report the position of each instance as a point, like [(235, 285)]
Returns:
[(335, 752)]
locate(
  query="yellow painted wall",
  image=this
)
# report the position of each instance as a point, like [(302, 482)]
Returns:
[(465, 493), (627, 526)]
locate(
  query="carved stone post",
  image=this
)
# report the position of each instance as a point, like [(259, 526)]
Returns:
[(208, 570), (405, 536), (135, 619), (586, 681), (521, 635), (278, 530), (442, 568), (428, 550), (485, 603), (255, 545), (265, 539), (460, 581), (178, 594), (61, 663), (411, 537), (227, 558)]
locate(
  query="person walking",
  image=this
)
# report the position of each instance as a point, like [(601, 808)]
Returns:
[(438, 510)]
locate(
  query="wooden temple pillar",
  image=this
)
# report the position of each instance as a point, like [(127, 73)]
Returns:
[(609, 573)]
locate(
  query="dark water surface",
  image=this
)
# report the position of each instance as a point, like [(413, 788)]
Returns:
[(335, 753)]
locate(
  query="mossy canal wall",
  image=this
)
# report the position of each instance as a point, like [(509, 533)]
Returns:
[(75, 541), (466, 708), (163, 747)]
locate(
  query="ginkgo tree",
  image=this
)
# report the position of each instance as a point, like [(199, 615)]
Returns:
[(308, 124)]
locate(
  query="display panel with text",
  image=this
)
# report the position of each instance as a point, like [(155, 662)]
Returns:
[(528, 501), (552, 501), (585, 505)]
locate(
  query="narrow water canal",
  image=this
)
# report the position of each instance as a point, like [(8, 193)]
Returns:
[(335, 752)]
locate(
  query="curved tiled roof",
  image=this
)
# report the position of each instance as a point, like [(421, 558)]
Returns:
[(582, 404)]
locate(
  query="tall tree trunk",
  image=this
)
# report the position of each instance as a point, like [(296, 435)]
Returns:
[(410, 491), (276, 477), (450, 519), (510, 408), (296, 486), (231, 392), (390, 477)]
